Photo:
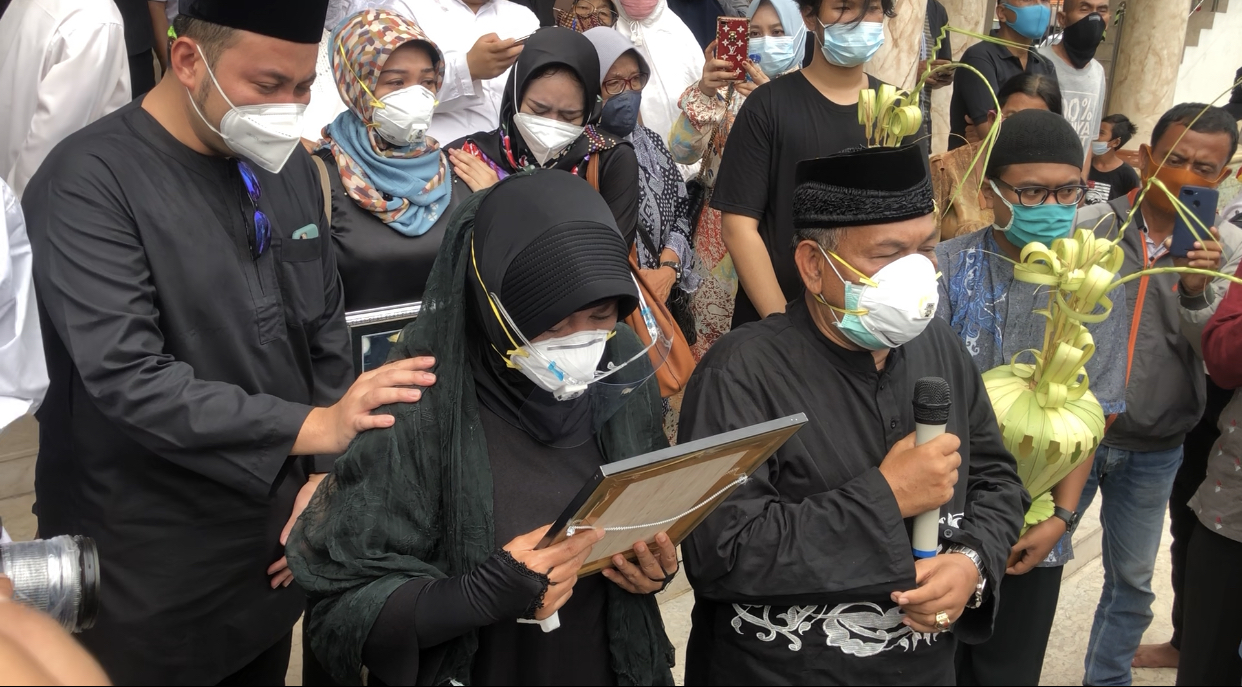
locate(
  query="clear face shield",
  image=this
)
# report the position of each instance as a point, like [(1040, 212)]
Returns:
[(583, 378)]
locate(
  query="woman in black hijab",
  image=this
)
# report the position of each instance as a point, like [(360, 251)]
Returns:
[(548, 118), (418, 551)]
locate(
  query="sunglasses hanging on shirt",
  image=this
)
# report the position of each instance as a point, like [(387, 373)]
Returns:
[(261, 228)]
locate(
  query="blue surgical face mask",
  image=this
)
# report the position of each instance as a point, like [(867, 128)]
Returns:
[(1030, 21), (1099, 148), (1038, 224), (620, 114), (849, 44), (777, 54)]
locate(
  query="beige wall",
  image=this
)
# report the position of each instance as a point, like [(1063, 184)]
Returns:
[(897, 61), (1148, 61)]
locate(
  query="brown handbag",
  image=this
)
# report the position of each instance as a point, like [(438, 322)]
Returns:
[(676, 370)]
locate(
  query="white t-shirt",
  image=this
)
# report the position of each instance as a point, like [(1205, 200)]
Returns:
[(63, 64), (1083, 94)]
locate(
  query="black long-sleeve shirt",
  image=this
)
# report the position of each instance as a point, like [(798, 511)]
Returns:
[(532, 484), (792, 574), (181, 372)]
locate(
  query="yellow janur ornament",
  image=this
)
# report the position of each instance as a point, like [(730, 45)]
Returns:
[(1049, 419)]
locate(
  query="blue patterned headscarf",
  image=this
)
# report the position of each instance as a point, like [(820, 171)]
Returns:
[(403, 186)]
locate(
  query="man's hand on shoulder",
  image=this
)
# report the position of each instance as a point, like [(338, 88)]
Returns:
[(329, 430)]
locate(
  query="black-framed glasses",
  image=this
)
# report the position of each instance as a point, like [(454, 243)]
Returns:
[(619, 86), (1031, 196), (261, 235), (589, 11)]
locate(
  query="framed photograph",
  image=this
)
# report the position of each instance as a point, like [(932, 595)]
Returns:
[(671, 490), (373, 333)]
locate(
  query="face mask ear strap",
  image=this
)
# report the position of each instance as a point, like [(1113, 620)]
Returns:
[(862, 277), (375, 102), (211, 73), (1003, 199), (495, 311), (824, 301)]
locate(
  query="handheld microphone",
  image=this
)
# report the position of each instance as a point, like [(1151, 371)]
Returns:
[(931, 416)]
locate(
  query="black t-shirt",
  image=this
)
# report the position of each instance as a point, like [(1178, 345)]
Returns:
[(783, 122), (1105, 186), (971, 97)]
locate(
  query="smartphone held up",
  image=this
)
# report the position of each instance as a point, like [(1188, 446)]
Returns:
[(732, 43), (1201, 203)]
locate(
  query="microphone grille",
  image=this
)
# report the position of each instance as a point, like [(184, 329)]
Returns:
[(931, 401)]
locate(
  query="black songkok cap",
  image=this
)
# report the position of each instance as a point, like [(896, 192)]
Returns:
[(862, 186), (1033, 136), (297, 21), (548, 246)]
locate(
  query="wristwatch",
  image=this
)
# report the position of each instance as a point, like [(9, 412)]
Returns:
[(1070, 517), (976, 600), (676, 267)]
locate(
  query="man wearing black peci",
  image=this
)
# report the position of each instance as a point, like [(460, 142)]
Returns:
[(806, 574), (197, 349)]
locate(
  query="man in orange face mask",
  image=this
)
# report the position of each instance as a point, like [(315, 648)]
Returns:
[(1138, 460)]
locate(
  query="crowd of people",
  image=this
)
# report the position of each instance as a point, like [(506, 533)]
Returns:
[(612, 240)]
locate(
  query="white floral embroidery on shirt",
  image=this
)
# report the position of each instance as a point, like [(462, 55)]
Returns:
[(858, 629)]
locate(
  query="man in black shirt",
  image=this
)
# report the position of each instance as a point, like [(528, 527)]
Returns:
[(201, 379), (805, 574), (811, 113), (1022, 22)]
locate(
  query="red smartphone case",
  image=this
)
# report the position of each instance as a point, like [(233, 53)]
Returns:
[(732, 41)]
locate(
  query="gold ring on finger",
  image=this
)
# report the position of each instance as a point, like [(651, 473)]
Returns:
[(942, 621)]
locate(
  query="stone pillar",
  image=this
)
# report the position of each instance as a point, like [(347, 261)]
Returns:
[(970, 15), (1152, 38), (896, 62)]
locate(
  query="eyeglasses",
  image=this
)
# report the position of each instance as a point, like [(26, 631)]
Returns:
[(1031, 196), (588, 10), (262, 234), (619, 86)]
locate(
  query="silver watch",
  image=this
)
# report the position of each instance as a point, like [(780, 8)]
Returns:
[(977, 600)]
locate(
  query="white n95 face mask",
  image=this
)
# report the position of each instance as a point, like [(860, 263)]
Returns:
[(565, 365), (263, 134), (545, 137), (403, 117), (890, 308)]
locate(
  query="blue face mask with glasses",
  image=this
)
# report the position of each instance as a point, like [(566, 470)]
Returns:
[(850, 44), (777, 54), (1037, 223), (1030, 21), (620, 113)]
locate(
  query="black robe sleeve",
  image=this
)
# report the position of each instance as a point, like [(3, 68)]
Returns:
[(97, 292), (618, 184), (422, 614), (757, 542)]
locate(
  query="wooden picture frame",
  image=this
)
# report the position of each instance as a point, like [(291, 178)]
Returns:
[(689, 480), (367, 327)]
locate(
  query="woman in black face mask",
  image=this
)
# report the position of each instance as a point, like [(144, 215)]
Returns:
[(549, 119), (664, 240)]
